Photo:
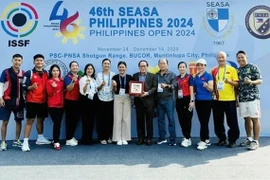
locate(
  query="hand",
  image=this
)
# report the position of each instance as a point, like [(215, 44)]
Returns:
[(144, 94), (75, 78), (114, 83), (2, 102), (163, 85), (34, 86), (87, 81), (191, 105), (227, 81), (53, 84), (205, 84), (103, 83), (247, 80)]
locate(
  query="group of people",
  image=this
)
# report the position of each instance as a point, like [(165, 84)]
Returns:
[(103, 100)]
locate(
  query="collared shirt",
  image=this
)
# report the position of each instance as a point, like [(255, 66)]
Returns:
[(201, 92), (183, 83), (102, 95), (248, 92), (92, 86), (142, 77), (167, 78)]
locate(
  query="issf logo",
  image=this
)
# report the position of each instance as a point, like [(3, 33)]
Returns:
[(70, 28), (19, 20)]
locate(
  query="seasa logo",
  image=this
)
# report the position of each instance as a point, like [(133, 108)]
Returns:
[(218, 21), (69, 25)]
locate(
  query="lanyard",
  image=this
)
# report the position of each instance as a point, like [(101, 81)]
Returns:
[(224, 74), (109, 80), (125, 81), (179, 81), (158, 78), (91, 86)]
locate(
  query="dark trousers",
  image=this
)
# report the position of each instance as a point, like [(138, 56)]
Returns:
[(105, 120), (144, 116), (72, 110), (89, 112), (203, 108), (56, 116), (229, 108), (184, 115)]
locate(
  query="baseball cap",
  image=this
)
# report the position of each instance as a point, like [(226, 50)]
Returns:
[(201, 61)]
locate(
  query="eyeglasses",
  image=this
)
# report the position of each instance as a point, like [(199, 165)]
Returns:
[(143, 66)]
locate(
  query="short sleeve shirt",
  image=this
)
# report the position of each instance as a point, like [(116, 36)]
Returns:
[(248, 92), (201, 92), (220, 74)]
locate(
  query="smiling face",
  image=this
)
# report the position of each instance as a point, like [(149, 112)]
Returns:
[(39, 62), (55, 72), (143, 67), (89, 71), (242, 59), (106, 65), (74, 67), (221, 58), (122, 69), (200, 67), (182, 68)]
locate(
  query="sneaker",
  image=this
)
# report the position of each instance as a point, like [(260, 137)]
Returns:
[(186, 142), (245, 143), (103, 142), (25, 147), (57, 146), (17, 143), (119, 143), (3, 146), (222, 143), (110, 141), (124, 142), (207, 141), (162, 141), (74, 139), (231, 144), (253, 145), (42, 140), (203, 145), (71, 142), (172, 144)]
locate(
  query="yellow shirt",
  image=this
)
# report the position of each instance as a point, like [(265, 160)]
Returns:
[(224, 91)]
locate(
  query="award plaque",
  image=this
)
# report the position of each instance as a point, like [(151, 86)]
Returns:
[(136, 88)]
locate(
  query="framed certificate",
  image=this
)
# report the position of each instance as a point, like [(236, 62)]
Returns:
[(136, 88)]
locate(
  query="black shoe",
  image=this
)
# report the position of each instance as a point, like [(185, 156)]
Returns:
[(140, 142), (222, 143), (149, 142), (231, 144)]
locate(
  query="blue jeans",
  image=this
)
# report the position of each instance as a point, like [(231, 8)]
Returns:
[(166, 107)]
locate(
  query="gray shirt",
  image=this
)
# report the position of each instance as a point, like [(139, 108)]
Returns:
[(167, 78)]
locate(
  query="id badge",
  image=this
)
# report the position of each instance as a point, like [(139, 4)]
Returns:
[(122, 92), (91, 96), (180, 94), (220, 85), (159, 89), (107, 89)]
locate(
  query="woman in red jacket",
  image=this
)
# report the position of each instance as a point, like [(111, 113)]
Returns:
[(55, 92)]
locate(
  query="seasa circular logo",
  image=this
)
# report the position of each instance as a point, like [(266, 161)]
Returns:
[(258, 22), (19, 19), (63, 67)]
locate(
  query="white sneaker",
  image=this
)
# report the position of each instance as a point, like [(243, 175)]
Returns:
[(202, 145), (119, 143), (110, 141), (3, 146), (74, 139), (71, 142), (124, 142), (186, 142), (25, 147), (42, 140)]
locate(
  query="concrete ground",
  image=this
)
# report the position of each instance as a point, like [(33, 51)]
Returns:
[(112, 162)]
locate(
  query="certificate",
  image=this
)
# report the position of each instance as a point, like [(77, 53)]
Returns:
[(136, 88)]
